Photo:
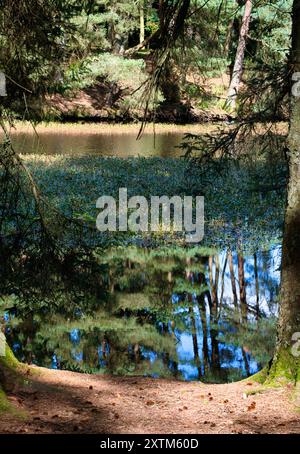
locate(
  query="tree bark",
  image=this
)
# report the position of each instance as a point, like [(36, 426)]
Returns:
[(142, 21), (239, 59), (195, 341), (222, 285), (9, 367), (214, 283), (257, 309), (242, 286), (202, 311), (286, 362), (232, 278)]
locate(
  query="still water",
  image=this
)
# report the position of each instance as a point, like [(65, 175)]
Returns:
[(121, 145), (200, 315), (173, 317)]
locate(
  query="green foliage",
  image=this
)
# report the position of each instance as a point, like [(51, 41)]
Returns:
[(233, 205), (118, 69), (74, 43), (112, 68), (253, 336), (50, 244)]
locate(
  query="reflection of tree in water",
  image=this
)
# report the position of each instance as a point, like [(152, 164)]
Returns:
[(158, 298)]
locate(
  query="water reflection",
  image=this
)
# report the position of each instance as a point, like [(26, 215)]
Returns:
[(182, 313), (121, 145)]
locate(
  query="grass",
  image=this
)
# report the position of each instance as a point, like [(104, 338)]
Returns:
[(21, 127)]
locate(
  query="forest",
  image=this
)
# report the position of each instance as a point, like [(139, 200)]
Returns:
[(111, 322)]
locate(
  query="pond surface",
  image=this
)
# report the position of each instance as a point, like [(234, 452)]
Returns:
[(176, 316), (193, 314), (102, 139), (121, 145)]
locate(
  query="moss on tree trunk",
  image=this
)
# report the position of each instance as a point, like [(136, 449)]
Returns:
[(286, 361), (9, 369)]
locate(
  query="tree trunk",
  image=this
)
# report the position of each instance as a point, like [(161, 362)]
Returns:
[(239, 59), (232, 278), (8, 368), (202, 312), (257, 310), (214, 283), (242, 286), (195, 341), (169, 84), (246, 362), (2, 84), (142, 21), (286, 361), (222, 285)]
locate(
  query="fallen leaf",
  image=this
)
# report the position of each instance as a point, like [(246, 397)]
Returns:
[(252, 406), (150, 402)]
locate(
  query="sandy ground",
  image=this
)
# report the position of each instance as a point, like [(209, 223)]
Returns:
[(68, 402)]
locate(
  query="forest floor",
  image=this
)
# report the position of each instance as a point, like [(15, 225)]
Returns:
[(67, 402)]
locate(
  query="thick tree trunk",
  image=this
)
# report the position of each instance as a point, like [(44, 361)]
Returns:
[(286, 362), (8, 369), (169, 85), (239, 59)]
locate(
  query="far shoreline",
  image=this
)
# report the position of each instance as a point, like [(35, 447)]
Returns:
[(105, 128)]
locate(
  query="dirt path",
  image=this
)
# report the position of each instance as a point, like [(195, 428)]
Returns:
[(67, 402)]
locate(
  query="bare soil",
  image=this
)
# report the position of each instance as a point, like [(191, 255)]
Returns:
[(68, 402)]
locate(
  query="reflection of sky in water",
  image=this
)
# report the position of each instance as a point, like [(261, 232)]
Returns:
[(151, 356), (75, 336), (268, 271), (236, 360), (231, 357), (54, 362), (188, 371), (78, 356)]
